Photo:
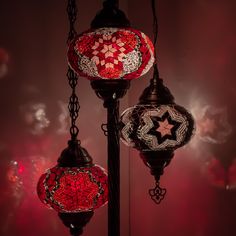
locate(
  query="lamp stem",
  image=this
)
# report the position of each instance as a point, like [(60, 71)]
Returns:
[(76, 221), (111, 91), (113, 168), (155, 29)]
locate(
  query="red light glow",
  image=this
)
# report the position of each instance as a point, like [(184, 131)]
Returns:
[(21, 169), (73, 189), (111, 53), (220, 176)]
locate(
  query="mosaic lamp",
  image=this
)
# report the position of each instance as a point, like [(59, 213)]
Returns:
[(111, 49), (156, 126), (75, 184), (157, 123), (75, 187)]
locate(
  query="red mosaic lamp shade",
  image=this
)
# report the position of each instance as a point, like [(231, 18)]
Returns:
[(73, 189), (111, 53)]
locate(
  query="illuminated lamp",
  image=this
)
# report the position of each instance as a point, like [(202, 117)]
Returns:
[(74, 185), (111, 49), (81, 187), (156, 123), (156, 127), (220, 171), (111, 53)]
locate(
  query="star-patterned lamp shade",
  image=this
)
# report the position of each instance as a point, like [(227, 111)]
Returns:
[(73, 189), (111, 53), (156, 128)]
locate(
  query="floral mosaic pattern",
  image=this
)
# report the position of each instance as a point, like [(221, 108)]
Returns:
[(111, 53), (73, 189)]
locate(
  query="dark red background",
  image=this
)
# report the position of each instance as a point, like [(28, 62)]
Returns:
[(197, 54)]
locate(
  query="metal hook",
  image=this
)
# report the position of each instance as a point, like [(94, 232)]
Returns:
[(104, 129)]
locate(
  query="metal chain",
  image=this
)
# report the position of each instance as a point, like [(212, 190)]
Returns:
[(73, 105), (155, 35), (72, 15), (155, 22)]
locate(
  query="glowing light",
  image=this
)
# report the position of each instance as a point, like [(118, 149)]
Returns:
[(111, 53), (35, 116), (212, 123), (213, 126), (12, 172), (24, 172), (63, 118), (150, 127), (219, 175), (73, 189)]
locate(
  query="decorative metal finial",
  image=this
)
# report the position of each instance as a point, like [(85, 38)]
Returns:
[(157, 194)]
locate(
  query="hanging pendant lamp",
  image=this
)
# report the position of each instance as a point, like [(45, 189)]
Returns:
[(111, 49), (75, 184), (156, 126), (157, 123)]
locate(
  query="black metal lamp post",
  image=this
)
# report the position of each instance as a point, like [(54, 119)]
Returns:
[(110, 92)]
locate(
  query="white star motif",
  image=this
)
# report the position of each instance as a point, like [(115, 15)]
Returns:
[(108, 50), (164, 128)]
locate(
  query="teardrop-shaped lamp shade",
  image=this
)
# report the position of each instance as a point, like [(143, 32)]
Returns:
[(111, 53)]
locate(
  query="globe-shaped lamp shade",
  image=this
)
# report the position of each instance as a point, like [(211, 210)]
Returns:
[(156, 128), (73, 189), (111, 53)]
